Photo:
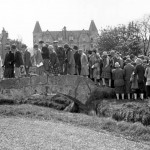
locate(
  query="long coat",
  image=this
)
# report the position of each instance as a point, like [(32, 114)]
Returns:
[(9, 65), (118, 77), (18, 59), (140, 71), (128, 70), (84, 65), (27, 59), (70, 62), (94, 61), (37, 58)]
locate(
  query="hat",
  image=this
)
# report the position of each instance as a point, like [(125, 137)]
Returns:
[(41, 42), (75, 47), (104, 53), (138, 61), (66, 46), (24, 46), (13, 46), (117, 65), (35, 45), (128, 60)]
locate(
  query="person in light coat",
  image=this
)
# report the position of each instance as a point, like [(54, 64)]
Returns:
[(84, 64), (26, 59), (38, 60)]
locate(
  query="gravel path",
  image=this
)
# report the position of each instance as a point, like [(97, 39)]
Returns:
[(28, 134)]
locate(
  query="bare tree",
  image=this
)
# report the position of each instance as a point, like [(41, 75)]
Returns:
[(144, 26)]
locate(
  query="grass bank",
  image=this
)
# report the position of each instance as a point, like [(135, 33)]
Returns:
[(135, 131)]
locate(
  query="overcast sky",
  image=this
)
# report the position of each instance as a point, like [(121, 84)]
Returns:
[(18, 17)]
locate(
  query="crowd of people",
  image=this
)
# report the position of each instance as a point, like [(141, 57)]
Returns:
[(128, 75)]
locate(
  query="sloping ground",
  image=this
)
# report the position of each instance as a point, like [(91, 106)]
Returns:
[(32, 134)]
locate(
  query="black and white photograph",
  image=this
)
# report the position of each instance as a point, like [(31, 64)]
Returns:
[(74, 75)]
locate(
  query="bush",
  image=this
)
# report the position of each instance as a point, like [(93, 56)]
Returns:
[(100, 94), (133, 112)]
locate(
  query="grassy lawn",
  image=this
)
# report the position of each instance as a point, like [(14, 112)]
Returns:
[(135, 131)]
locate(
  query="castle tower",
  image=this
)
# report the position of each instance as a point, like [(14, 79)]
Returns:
[(93, 28), (37, 33), (93, 34)]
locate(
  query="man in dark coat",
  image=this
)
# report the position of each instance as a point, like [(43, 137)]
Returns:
[(61, 55), (26, 59), (140, 71), (18, 62), (9, 64), (77, 58), (45, 55)]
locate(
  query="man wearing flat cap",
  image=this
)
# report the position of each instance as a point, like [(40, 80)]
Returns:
[(18, 62), (41, 43), (9, 64)]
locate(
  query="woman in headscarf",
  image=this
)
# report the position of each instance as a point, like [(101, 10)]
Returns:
[(54, 66), (118, 77)]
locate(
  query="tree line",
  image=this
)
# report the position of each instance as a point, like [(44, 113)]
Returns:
[(133, 38)]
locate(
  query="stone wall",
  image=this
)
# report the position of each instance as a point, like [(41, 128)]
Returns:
[(24, 88)]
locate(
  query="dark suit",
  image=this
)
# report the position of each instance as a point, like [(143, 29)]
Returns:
[(27, 61), (9, 65), (77, 58)]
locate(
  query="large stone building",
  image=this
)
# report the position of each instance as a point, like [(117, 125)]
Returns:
[(85, 39), (3, 42)]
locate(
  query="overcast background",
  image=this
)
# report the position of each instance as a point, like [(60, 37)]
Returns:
[(18, 17)]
